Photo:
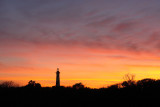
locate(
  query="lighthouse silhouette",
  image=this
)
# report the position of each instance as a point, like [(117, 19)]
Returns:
[(57, 78)]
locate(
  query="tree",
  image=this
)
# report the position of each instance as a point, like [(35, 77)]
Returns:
[(32, 84), (146, 83), (8, 84), (38, 85), (129, 80), (78, 86), (129, 77), (114, 86)]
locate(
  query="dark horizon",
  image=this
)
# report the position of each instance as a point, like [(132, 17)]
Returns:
[(142, 93)]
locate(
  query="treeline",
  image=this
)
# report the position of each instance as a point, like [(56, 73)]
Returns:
[(147, 83), (34, 84), (129, 93), (129, 82)]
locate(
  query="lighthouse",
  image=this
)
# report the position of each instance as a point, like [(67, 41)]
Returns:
[(57, 78)]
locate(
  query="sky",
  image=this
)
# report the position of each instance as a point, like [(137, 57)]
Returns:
[(95, 42)]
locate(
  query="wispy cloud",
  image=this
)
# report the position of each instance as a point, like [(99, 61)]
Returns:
[(78, 32), (73, 23)]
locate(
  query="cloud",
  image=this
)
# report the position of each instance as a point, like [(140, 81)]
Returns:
[(126, 26), (74, 23), (102, 22)]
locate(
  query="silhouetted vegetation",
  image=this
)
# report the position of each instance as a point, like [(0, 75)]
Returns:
[(33, 84), (129, 93), (78, 86), (8, 84), (129, 81)]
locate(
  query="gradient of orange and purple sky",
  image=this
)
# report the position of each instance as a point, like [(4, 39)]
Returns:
[(95, 42)]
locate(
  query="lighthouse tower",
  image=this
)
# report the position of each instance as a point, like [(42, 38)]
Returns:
[(57, 78)]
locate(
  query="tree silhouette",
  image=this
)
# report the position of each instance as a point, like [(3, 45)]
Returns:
[(114, 86), (146, 83), (8, 84), (37, 85), (78, 86), (129, 80), (32, 84)]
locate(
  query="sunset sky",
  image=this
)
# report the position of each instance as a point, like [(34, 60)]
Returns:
[(95, 42)]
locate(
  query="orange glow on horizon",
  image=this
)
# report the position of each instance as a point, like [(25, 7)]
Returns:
[(95, 67)]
